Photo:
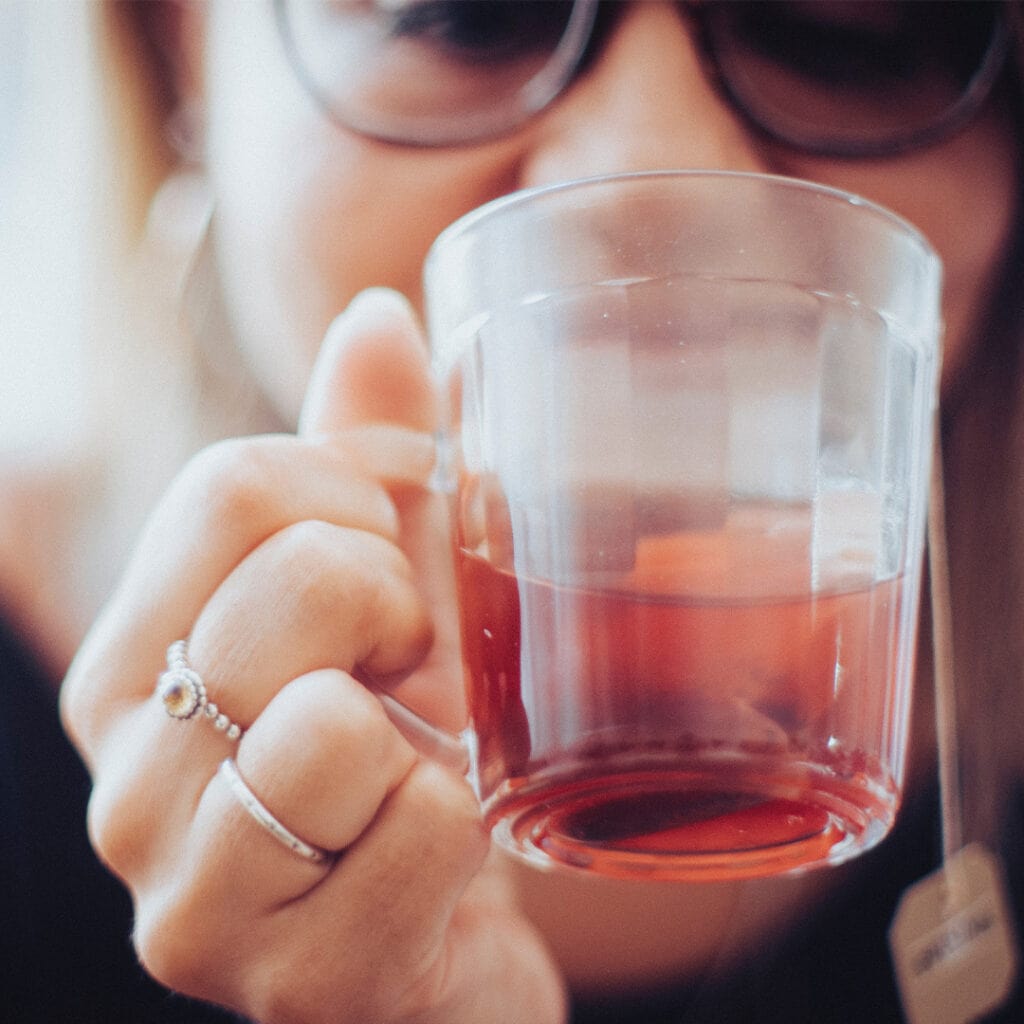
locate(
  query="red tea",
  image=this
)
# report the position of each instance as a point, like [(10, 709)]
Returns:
[(659, 725)]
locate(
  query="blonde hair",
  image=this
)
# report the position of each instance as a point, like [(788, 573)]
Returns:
[(139, 105)]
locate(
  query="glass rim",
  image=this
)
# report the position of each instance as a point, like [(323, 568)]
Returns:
[(472, 248), (521, 197)]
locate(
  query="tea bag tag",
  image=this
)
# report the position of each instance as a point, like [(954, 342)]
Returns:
[(952, 941)]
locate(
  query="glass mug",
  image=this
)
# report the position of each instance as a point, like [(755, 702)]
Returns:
[(687, 440)]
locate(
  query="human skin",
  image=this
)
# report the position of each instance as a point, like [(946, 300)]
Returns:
[(308, 214), (297, 564)]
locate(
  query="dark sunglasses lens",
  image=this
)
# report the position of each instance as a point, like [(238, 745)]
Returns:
[(430, 71), (852, 75)]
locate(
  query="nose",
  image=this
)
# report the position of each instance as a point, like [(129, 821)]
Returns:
[(645, 103)]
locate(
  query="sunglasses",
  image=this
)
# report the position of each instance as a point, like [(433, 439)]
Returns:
[(844, 79)]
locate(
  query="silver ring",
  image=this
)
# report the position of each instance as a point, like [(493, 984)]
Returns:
[(183, 692), (248, 799)]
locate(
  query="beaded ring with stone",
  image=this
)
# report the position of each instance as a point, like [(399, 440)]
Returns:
[(183, 693)]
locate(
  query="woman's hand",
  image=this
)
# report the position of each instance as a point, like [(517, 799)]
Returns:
[(297, 566)]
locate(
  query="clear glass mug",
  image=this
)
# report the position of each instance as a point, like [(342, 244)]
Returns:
[(687, 445)]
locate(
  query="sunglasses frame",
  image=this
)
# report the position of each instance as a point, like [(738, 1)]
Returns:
[(574, 49), (955, 117)]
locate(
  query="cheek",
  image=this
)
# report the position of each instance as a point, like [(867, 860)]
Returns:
[(259, 142), (372, 218), (307, 214), (962, 197), (322, 218)]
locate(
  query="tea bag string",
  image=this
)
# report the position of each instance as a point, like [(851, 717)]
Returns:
[(951, 809)]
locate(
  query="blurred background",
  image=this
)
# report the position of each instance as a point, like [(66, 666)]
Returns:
[(47, 115)]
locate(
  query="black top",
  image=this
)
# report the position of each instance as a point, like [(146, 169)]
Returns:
[(65, 922), (66, 956)]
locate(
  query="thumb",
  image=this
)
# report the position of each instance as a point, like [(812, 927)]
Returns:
[(373, 377), (372, 369)]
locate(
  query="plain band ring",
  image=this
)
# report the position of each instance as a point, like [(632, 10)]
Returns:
[(248, 799), (183, 693)]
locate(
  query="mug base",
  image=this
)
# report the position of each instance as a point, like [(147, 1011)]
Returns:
[(692, 824)]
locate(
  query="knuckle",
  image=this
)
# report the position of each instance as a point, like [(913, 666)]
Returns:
[(374, 562), (286, 1002), (77, 707), (346, 715), (309, 542), (169, 946), (425, 993), (358, 731), (180, 928), (232, 480), (110, 841), (306, 555), (111, 827), (330, 567), (356, 720), (382, 572), (450, 799), (87, 695)]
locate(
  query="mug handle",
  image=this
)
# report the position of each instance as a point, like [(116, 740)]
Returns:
[(430, 740)]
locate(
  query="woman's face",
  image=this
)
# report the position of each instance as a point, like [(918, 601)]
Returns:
[(308, 214)]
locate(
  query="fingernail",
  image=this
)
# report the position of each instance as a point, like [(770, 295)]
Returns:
[(375, 303)]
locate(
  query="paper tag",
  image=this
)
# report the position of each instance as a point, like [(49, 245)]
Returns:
[(952, 942)]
